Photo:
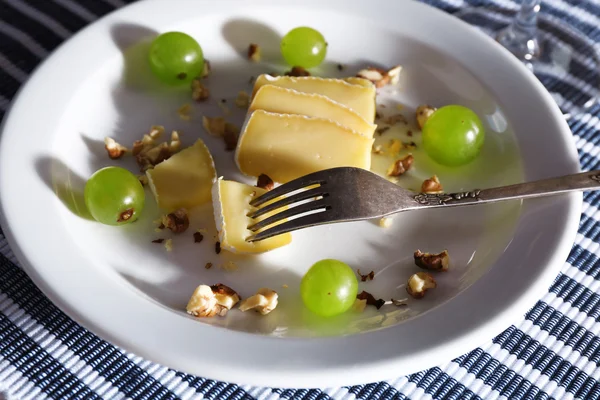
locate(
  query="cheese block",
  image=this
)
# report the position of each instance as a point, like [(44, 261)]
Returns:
[(287, 101), (185, 179), (286, 146), (355, 80), (231, 205), (357, 97)]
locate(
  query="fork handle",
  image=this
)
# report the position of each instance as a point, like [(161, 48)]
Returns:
[(546, 187)]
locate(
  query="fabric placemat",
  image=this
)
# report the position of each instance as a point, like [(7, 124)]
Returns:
[(551, 352)]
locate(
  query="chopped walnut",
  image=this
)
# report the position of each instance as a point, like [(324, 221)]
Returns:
[(254, 52), (214, 126), (198, 237), (382, 129), (380, 77), (397, 303), (208, 301), (432, 185), (143, 179), (115, 150), (394, 119), (395, 146), (359, 305), (419, 283), (157, 154), (432, 262), (423, 113), (394, 74), (177, 221), (400, 166), (264, 301), (385, 222), (243, 99), (371, 301), (367, 277), (185, 112), (175, 143), (207, 69), (218, 247), (158, 241), (377, 149), (285, 286), (265, 182), (199, 91), (340, 67), (409, 145), (230, 136), (229, 266), (169, 245), (208, 265), (297, 71), (148, 141), (223, 106)]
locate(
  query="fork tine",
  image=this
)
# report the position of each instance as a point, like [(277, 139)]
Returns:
[(295, 224), (307, 194), (290, 212), (298, 183)]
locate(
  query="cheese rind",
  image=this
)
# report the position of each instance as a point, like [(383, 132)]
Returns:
[(288, 101), (286, 146), (357, 97), (231, 205), (185, 179)]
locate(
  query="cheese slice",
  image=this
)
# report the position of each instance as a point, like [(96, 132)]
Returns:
[(357, 97), (286, 146), (287, 101), (185, 179), (231, 205), (355, 80)]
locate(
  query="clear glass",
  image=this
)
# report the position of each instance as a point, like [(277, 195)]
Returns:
[(561, 56)]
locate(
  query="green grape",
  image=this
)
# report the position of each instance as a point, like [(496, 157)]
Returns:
[(303, 47), (329, 288), (114, 196), (453, 135), (176, 58)]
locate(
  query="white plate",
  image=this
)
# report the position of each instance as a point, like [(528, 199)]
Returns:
[(132, 292)]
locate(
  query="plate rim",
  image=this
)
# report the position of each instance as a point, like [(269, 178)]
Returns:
[(350, 372)]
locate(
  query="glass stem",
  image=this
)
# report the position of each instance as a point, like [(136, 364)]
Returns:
[(520, 37), (525, 22)]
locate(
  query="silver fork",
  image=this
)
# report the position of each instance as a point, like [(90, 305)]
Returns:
[(352, 194)]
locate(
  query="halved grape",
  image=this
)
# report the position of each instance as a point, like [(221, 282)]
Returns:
[(114, 196), (176, 58), (453, 135), (303, 47), (329, 288)]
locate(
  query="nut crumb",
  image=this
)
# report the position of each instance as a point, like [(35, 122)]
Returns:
[(395, 146), (143, 179), (340, 67), (399, 107), (419, 283), (432, 185), (377, 149), (400, 166), (175, 143), (207, 69), (159, 241), (208, 301), (385, 222), (243, 99), (185, 112), (409, 145), (381, 130), (409, 133), (371, 301), (214, 126), (229, 266), (359, 305), (218, 247), (395, 119), (297, 72), (264, 301), (265, 182), (423, 113), (199, 91), (198, 237), (169, 245), (251, 80), (114, 149), (208, 265), (365, 278), (432, 262), (285, 286), (177, 221), (231, 136), (223, 106), (254, 52), (397, 303), (380, 77)]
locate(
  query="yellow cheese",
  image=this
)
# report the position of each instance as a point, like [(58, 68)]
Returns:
[(286, 146), (287, 101), (231, 205), (357, 97), (185, 179), (360, 81)]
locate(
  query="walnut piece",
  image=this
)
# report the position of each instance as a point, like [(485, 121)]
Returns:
[(377, 149), (115, 150), (198, 237), (207, 69), (199, 91), (143, 179), (432, 185), (395, 146), (394, 119), (359, 305), (185, 112), (169, 245), (175, 143), (243, 99), (380, 77), (208, 301), (419, 283), (148, 141), (148, 153), (218, 247), (254, 52), (229, 266), (367, 277), (297, 71), (400, 166), (230, 136), (423, 113), (265, 182), (432, 262), (177, 221), (214, 126), (370, 299), (264, 301)]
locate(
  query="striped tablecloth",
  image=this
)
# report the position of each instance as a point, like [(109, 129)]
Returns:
[(552, 352)]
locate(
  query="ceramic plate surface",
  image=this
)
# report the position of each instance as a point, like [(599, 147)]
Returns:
[(132, 292)]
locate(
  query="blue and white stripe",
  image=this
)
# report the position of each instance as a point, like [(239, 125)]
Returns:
[(553, 352)]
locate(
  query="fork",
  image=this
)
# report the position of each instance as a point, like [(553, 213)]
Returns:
[(346, 194)]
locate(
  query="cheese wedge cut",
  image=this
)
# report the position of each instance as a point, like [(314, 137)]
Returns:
[(286, 146), (185, 179), (357, 97), (287, 101), (231, 205), (355, 80)]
